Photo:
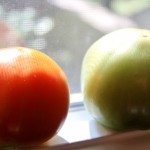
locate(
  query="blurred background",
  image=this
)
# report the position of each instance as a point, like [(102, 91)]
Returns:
[(65, 29)]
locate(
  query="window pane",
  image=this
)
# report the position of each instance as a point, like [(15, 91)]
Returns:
[(65, 29)]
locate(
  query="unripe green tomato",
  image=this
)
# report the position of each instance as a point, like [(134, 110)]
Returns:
[(115, 79)]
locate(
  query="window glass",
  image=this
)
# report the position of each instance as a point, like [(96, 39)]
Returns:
[(65, 29)]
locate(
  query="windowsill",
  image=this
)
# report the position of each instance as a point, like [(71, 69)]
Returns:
[(80, 126), (80, 131)]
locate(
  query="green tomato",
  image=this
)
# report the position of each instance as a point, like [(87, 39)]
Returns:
[(115, 79)]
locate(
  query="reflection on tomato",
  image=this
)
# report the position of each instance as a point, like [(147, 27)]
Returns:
[(34, 96)]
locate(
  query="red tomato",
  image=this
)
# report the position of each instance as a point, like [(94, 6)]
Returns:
[(34, 96)]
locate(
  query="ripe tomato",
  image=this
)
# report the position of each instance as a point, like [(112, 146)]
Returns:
[(116, 79), (34, 96)]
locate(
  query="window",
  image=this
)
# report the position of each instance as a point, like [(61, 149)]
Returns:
[(49, 26), (66, 29)]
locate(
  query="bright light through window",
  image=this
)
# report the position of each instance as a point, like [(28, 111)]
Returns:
[(65, 29)]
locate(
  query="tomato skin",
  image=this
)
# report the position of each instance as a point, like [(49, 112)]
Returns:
[(34, 97), (116, 79)]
